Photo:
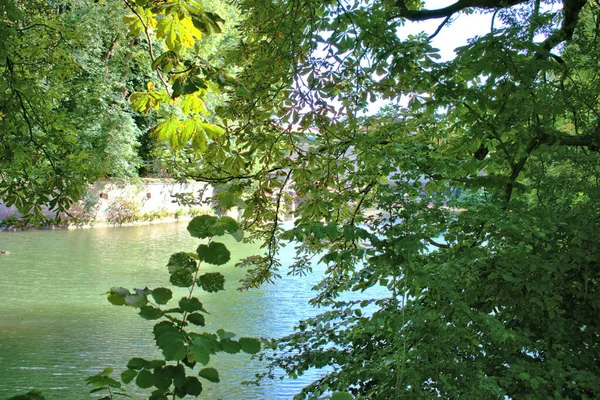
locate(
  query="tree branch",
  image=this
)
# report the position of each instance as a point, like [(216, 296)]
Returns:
[(571, 10), (439, 28), (422, 15), (437, 244), (516, 170), (225, 179)]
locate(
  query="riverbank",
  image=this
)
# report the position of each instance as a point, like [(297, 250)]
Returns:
[(90, 225), (119, 203)]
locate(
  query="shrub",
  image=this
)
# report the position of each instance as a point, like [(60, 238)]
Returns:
[(123, 210)]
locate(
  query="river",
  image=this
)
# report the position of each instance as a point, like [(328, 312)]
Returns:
[(56, 326)]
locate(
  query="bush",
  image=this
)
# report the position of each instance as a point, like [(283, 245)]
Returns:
[(123, 210), (158, 214)]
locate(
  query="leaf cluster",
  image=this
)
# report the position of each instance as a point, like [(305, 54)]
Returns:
[(182, 347)]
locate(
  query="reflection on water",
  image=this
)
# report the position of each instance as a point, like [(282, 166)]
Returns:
[(56, 326)]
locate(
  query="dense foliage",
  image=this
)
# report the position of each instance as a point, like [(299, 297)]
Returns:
[(65, 112), (65, 119), (470, 200), (481, 178), (182, 347)]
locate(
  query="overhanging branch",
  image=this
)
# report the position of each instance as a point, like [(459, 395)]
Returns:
[(229, 178), (422, 15), (571, 10)]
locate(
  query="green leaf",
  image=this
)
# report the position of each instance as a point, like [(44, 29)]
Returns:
[(170, 340), (205, 226), (223, 334), (166, 61), (159, 394), (524, 376), (193, 104), (182, 266), (227, 200), (196, 319), (182, 278), (157, 364), (213, 131), (215, 253), (167, 128), (117, 296), (128, 375), (141, 102), (250, 345), (535, 383), (178, 373), (145, 379), (175, 351), (162, 295), (116, 299), (231, 346), (199, 354), (179, 261), (210, 374), (238, 235), (341, 396), (191, 305), (211, 282), (120, 290), (229, 224), (150, 312), (162, 378), (138, 363), (193, 387)]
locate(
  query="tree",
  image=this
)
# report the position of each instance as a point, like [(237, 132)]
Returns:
[(473, 209), (492, 293), (42, 161), (66, 119)]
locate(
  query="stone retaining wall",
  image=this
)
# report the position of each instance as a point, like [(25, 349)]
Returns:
[(149, 195)]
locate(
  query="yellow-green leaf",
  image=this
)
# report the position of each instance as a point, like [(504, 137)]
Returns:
[(213, 131), (167, 128)]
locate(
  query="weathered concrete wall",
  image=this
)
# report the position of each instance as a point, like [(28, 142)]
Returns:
[(151, 195)]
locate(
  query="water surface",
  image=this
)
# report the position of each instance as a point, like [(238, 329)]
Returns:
[(56, 326)]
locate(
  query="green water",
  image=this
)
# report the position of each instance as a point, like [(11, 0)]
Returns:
[(56, 326)]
